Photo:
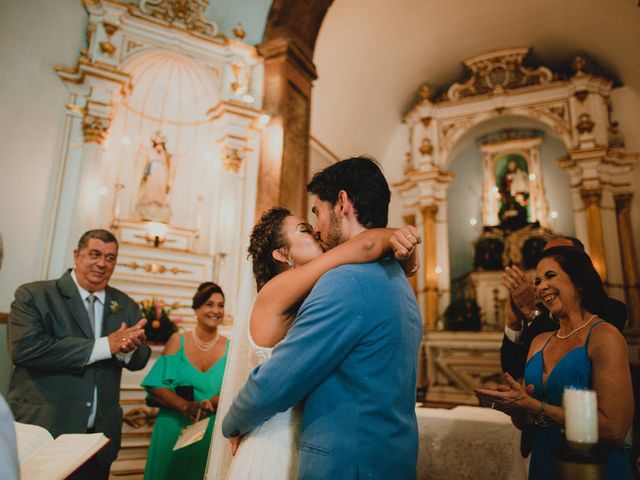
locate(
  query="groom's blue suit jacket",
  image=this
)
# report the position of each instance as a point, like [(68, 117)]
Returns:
[(351, 358)]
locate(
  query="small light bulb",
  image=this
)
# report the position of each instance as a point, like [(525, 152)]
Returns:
[(532, 176), (248, 98), (264, 119), (553, 214), (473, 222), (438, 269)]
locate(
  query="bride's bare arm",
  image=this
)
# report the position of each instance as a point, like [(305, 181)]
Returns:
[(279, 295)]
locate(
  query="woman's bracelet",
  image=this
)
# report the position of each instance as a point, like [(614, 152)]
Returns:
[(541, 420)]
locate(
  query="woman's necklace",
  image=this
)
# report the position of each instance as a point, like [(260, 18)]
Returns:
[(562, 337), (201, 344)]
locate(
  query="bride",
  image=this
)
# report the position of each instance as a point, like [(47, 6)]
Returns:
[(287, 261)]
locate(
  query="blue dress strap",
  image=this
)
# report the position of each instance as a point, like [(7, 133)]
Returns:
[(586, 342), (548, 340)]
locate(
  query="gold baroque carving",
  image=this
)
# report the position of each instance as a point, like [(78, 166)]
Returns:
[(110, 28), (131, 45), (95, 128), (232, 159), (581, 95), (140, 417), (585, 124), (239, 32), (591, 196), (578, 64), (425, 147), (425, 92), (498, 71), (107, 48), (185, 14), (155, 268)]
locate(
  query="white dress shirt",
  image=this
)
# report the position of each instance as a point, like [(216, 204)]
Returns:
[(101, 348)]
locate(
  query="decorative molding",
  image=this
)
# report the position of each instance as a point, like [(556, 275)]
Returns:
[(585, 124), (232, 159), (497, 72), (95, 128), (592, 196), (157, 268), (182, 14), (508, 135), (426, 148), (459, 362)]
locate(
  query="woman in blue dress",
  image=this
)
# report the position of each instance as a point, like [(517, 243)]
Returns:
[(585, 352)]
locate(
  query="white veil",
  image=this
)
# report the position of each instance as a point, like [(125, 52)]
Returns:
[(235, 374)]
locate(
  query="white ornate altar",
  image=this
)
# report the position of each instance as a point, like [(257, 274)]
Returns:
[(576, 111), (161, 145)]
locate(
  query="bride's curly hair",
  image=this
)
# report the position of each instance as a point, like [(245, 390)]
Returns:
[(266, 237)]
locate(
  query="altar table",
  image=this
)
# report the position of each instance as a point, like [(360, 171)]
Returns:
[(468, 443)]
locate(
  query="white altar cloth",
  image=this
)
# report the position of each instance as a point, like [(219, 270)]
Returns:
[(468, 443)]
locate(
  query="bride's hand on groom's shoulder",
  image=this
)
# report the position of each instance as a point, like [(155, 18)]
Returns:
[(403, 241), (235, 444)]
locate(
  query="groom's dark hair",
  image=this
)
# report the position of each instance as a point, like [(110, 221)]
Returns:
[(364, 183)]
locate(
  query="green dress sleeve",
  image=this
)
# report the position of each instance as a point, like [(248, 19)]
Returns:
[(167, 372)]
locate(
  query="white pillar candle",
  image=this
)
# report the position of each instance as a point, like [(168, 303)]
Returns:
[(581, 415)]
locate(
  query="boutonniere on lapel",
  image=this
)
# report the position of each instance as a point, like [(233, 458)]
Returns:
[(114, 306)]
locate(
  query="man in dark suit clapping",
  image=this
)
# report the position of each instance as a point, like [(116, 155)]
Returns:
[(69, 340)]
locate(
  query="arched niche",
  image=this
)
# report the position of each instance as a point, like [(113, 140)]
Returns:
[(469, 184), (145, 74)]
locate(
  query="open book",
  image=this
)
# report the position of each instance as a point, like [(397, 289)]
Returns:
[(192, 434), (42, 457)]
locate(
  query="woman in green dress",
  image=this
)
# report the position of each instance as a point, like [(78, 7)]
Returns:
[(194, 360)]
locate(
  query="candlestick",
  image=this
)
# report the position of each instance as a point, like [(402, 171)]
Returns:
[(581, 415)]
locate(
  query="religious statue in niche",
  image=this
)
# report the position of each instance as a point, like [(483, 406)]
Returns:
[(512, 179), (155, 186)]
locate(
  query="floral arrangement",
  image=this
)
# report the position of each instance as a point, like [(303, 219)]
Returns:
[(159, 326)]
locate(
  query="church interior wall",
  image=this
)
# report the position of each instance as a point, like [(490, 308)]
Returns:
[(392, 161), (626, 110), (35, 36)]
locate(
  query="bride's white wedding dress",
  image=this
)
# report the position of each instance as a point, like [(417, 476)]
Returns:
[(270, 452)]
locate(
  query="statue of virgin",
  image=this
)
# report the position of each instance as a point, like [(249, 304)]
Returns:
[(153, 200)]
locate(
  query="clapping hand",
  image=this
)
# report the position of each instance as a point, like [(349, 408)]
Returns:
[(521, 289), (511, 398), (126, 339)]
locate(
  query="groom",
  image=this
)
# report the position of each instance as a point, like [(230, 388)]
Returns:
[(351, 355)]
